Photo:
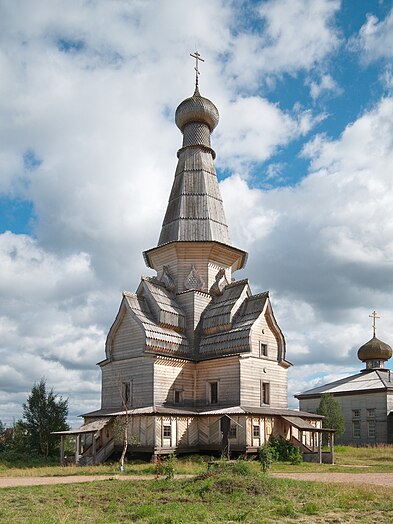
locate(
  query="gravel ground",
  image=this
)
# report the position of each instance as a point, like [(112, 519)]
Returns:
[(380, 479), (11, 482)]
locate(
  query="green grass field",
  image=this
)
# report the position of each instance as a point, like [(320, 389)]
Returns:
[(245, 495)]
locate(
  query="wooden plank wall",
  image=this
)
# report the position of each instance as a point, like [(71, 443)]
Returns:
[(207, 258), (129, 340), (261, 332), (171, 374), (139, 370), (226, 372), (193, 304), (253, 370)]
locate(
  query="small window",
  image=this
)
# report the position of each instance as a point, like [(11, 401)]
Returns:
[(356, 429), (256, 431), (178, 396), (265, 393), (355, 413), (371, 429), (371, 413), (213, 392), (166, 431), (262, 349), (232, 431)]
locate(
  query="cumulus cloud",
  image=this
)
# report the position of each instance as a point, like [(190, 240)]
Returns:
[(375, 39), (326, 84), (297, 35), (325, 246)]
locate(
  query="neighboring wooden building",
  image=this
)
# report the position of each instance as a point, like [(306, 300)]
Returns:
[(194, 356), (366, 399)]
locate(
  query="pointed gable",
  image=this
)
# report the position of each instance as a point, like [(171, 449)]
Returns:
[(221, 311), (137, 321), (162, 303), (234, 336)]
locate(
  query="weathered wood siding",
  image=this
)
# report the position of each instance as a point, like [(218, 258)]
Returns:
[(139, 370), (128, 340), (207, 257), (362, 402), (193, 304), (253, 371), (262, 333), (252, 441), (170, 375), (226, 372)]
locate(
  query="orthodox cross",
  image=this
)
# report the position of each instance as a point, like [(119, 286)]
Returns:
[(374, 316), (197, 57)]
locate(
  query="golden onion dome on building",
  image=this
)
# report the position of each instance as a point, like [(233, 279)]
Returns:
[(197, 108)]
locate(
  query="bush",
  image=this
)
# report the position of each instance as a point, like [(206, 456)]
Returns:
[(295, 455), (166, 467), (285, 451), (265, 456)]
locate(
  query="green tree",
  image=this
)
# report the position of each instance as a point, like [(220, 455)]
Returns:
[(43, 413), (330, 409), (2, 436)]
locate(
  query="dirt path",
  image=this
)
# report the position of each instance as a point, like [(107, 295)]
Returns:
[(12, 482), (379, 479)]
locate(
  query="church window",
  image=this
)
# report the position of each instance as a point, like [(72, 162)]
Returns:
[(371, 429), (166, 432), (265, 393), (213, 392), (371, 413), (355, 413), (178, 396), (356, 429), (256, 431), (262, 349), (232, 430)]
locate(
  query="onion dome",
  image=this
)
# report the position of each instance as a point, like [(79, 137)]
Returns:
[(197, 109), (375, 350)]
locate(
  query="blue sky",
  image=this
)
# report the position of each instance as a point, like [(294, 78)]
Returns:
[(88, 151)]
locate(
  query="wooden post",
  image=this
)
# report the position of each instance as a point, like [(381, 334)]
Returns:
[(320, 447), (77, 448), (332, 447), (62, 450), (94, 448)]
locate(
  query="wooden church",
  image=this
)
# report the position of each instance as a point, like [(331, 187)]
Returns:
[(194, 359)]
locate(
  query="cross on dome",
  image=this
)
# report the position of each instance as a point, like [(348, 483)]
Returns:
[(374, 316), (198, 58)]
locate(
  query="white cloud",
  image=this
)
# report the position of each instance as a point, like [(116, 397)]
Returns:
[(325, 85), (325, 247), (375, 38), (297, 35)]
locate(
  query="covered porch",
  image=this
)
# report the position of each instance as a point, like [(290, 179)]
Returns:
[(93, 443)]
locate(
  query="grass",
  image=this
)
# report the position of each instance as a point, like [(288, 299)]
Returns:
[(219, 496), (348, 459), (233, 492)]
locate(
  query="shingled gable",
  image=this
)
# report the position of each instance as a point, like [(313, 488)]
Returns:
[(228, 321), (162, 304), (157, 338)]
